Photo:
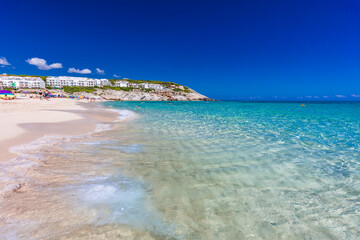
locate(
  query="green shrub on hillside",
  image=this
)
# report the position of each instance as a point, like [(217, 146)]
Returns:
[(42, 77), (113, 81), (166, 84), (127, 89), (72, 90)]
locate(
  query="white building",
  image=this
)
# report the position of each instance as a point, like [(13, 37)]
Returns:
[(70, 81), (153, 86), (134, 85), (145, 85), (121, 84), (21, 82), (102, 82)]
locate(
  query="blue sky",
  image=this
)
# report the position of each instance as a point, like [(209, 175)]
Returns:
[(224, 49)]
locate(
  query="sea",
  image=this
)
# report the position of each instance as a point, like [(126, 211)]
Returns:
[(206, 170)]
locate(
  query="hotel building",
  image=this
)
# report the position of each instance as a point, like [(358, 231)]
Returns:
[(21, 82), (153, 86), (69, 81), (76, 82), (121, 84), (102, 82)]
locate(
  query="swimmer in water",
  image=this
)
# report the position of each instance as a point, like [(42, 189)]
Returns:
[(138, 107)]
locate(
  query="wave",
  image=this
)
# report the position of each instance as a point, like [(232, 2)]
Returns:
[(124, 115)]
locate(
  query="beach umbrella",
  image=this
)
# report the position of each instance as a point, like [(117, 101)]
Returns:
[(7, 95), (6, 92)]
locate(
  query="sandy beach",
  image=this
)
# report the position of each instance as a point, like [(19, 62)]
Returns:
[(23, 123), (25, 120)]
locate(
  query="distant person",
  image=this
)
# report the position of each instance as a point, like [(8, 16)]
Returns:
[(47, 94), (138, 107), (6, 97), (40, 94)]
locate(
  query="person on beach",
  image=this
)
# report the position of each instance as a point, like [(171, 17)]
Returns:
[(40, 94), (6, 97), (47, 94)]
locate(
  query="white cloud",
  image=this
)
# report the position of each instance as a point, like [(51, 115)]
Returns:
[(316, 97), (84, 71), (116, 76), (42, 65), (355, 95), (308, 96), (340, 96), (3, 61), (99, 71), (325, 97)]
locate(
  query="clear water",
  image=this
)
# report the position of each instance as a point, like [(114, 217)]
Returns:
[(196, 170), (233, 170)]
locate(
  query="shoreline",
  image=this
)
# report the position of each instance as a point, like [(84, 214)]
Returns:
[(24, 121), (27, 123), (35, 171)]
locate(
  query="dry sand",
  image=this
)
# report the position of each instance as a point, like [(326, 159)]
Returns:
[(25, 120)]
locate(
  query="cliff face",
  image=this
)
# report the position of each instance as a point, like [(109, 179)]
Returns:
[(140, 95)]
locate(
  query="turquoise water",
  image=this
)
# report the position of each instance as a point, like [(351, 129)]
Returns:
[(234, 170), (194, 170)]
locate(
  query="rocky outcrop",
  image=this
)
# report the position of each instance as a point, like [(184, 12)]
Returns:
[(141, 95), (152, 96)]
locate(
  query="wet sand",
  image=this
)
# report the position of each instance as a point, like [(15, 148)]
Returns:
[(30, 203)]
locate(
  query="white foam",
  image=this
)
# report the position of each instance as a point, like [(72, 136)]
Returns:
[(101, 128), (118, 200), (99, 193), (124, 114), (29, 155)]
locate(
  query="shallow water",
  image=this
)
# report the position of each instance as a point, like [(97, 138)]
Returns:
[(230, 170), (217, 170)]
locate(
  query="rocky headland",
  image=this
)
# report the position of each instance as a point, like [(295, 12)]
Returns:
[(143, 95)]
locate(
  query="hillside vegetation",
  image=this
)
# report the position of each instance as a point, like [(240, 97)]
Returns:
[(42, 77), (171, 85)]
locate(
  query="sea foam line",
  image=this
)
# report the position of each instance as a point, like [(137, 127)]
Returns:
[(123, 114)]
